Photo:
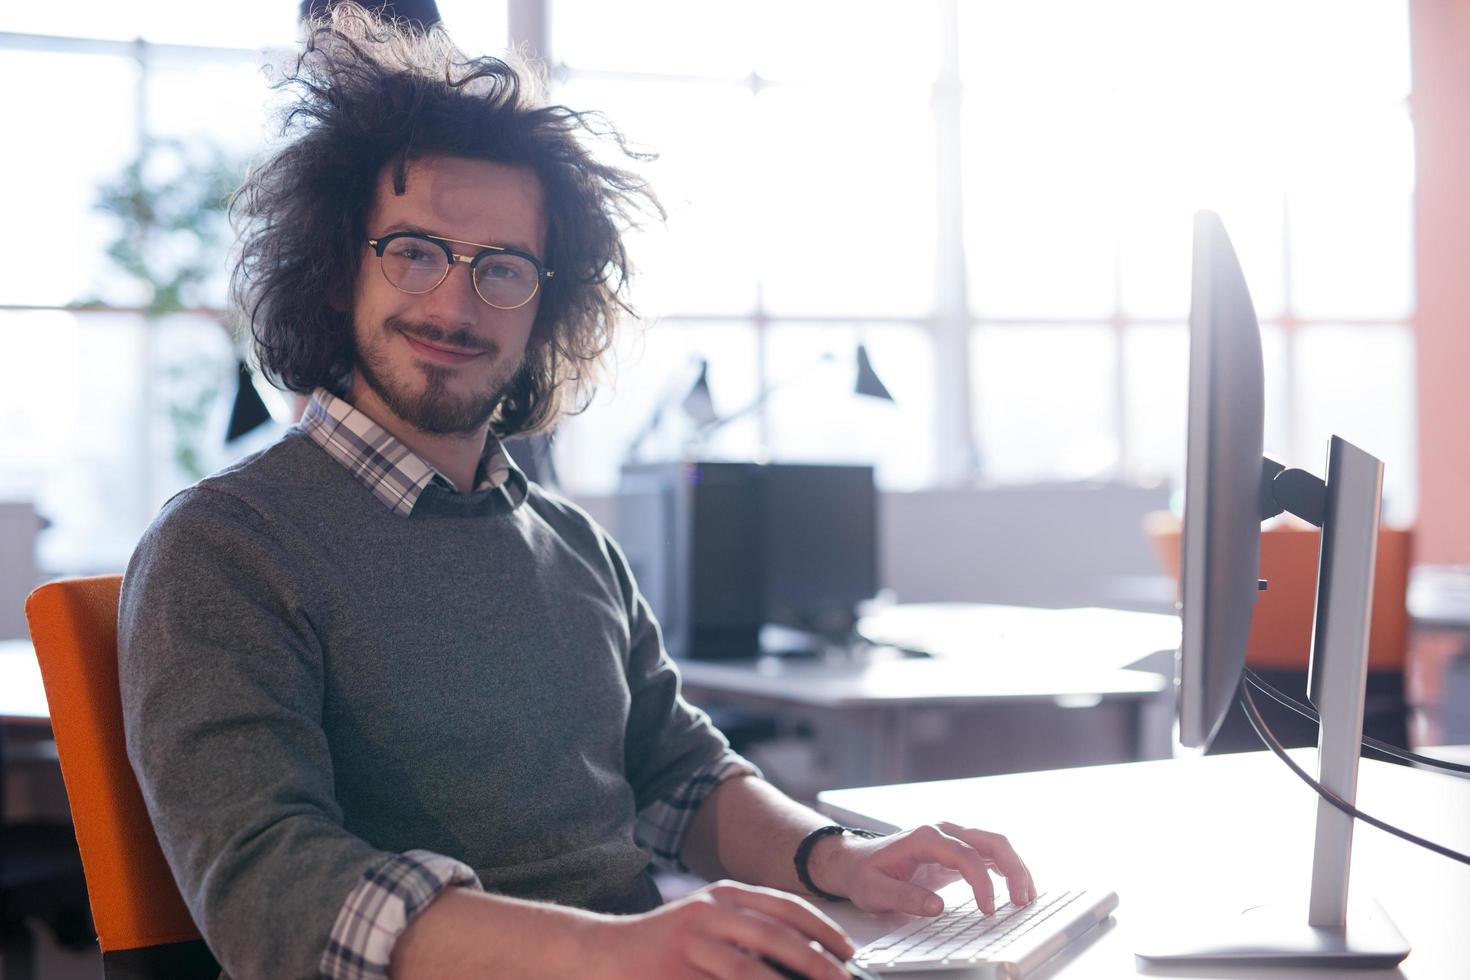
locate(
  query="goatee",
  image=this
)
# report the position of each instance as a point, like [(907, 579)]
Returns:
[(434, 407)]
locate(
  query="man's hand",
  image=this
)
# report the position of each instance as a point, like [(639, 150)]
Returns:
[(722, 931), (900, 872)]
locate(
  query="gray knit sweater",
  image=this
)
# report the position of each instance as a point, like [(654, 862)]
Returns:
[(311, 683)]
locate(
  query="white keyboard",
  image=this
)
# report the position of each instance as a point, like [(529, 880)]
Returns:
[(1019, 939)]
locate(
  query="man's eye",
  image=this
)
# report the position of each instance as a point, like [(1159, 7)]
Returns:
[(500, 270)]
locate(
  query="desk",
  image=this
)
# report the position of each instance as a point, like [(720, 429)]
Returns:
[(1008, 689), (1187, 835)]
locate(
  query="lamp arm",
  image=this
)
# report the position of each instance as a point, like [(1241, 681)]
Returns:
[(631, 455), (709, 428)]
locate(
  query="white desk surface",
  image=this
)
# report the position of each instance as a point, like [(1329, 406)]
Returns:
[(894, 682), (1187, 836), (998, 653), (22, 697), (981, 653), (1091, 637)]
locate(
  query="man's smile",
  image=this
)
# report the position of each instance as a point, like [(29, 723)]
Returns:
[(439, 352)]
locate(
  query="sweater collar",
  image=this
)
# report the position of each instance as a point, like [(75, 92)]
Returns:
[(381, 462)]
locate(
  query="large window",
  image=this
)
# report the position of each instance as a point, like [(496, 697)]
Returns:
[(105, 411), (797, 159), (992, 198), (996, 198)]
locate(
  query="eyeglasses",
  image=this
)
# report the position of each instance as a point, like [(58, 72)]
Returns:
[(504, 278)]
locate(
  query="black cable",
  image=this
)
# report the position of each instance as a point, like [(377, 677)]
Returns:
[(1387, 748), (1259, 724)]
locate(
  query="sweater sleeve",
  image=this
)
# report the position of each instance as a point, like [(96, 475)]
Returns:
[(674, 755), (222, 688)]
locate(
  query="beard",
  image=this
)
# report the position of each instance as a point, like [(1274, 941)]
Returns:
[(433, 406)]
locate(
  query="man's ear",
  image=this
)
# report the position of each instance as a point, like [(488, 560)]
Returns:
[(339, 298)]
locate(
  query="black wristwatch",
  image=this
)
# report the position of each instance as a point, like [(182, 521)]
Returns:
[(804, 853)]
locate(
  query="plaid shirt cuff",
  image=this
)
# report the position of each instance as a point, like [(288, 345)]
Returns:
[(385, 900), (662, 825)]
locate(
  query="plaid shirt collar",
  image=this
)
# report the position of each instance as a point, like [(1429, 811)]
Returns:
[(392, 471)]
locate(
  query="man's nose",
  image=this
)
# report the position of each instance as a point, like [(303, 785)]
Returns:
[(455, 298)]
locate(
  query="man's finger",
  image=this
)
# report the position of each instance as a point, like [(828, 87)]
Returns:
[(938, 847), (791, 910), (877, 892), (765, 936), (998, 850), (714, 958)]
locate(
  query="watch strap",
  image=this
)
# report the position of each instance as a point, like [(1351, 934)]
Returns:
[(804, 853)]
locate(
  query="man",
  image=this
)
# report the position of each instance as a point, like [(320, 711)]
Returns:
[(394, 709)]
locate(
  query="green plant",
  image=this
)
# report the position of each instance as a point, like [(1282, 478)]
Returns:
[(173, 235), (170, 250)]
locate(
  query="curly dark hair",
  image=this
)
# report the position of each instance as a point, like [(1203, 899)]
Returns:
[(368, 95)]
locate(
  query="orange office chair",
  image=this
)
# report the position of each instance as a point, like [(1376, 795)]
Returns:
[(143, 927), (1281, 627)]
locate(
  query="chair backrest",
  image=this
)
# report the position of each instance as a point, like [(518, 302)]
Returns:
[(135, 902), (1281, 625)]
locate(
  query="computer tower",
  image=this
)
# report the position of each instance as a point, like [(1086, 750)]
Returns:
[(691, 531)]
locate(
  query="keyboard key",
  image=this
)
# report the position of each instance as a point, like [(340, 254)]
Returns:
[(963, 934)]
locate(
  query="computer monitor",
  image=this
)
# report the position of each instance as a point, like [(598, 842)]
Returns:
[(821, 535), (722, 548), (1222, 524), (1230, 487)]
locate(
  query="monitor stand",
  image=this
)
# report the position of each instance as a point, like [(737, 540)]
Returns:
[(1334, 932)]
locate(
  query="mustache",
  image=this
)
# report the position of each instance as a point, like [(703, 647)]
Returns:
[(461, 339)]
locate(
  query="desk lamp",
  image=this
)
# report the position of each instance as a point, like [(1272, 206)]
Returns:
[(866, 383)]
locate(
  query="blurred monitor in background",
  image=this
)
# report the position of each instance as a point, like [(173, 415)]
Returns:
[(722, 549)]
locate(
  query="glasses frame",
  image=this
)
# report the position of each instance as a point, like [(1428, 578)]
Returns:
[(379, 245)]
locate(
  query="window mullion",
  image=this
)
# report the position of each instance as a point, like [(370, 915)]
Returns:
[(528, 24), (955, 439)]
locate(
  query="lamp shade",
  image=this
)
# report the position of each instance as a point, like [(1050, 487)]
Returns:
[(699, 405), (868, 382), (249, 412)]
